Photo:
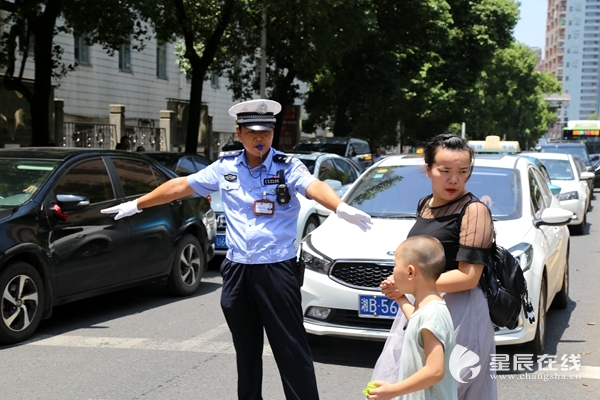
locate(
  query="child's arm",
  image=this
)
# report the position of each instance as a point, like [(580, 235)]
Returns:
[(406, 306), (431, 373)]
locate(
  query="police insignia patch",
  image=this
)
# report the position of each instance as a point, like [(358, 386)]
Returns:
[(282, 158), (230, 177), (262, 108)]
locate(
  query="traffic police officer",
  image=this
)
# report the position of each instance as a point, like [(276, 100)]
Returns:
[(261, 278)]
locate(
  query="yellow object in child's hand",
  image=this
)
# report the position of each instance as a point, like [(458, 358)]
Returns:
[(370, 386)]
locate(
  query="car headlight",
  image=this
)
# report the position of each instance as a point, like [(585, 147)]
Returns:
[(568, 196), (314, 260), (524, 253)]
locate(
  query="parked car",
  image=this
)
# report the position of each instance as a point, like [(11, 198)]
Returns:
[(574, 147), (345, 265), (339, 172), (575, 194), (356, 149), (538, 163), (182, 164), (56, 246)]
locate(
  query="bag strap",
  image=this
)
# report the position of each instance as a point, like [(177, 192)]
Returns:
[(487, 269)]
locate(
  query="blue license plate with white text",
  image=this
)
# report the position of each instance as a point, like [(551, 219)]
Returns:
[(220, 242), (373, 306)]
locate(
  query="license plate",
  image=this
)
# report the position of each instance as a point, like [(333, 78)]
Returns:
[(372, 306), (220, 242)]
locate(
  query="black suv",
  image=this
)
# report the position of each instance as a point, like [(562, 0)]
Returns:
[(573, 147), (355, 149)]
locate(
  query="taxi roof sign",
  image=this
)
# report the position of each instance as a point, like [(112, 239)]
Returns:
[(493, 145)]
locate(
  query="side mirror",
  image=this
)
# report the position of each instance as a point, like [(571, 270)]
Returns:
[(595, 157), (554, 217), (586, 176), (69, 202)]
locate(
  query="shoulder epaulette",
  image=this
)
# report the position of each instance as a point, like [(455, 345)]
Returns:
[(282, 158), (232, 153)]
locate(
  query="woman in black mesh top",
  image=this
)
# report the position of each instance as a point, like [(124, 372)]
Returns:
[(464, 226)]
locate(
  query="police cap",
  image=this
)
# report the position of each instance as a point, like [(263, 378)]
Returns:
[(256, 115)]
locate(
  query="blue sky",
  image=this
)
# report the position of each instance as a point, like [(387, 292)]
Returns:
[(531, 27)]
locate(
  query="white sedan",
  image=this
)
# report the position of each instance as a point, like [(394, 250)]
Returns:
[(344, 265), (575, 194), (339, 172)]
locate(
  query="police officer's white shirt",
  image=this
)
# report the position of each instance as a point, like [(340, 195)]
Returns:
[(255, 239)]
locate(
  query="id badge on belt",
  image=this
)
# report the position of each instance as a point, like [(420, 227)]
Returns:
[(264, 206)]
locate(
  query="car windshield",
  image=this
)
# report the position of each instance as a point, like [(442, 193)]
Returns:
[(574, 150), (393, 192), (337, 148), (559, 169), (21, 179)]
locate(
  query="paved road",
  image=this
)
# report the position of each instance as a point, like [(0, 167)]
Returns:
[(143, 344)]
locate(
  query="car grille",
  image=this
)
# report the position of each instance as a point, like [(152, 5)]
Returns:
[(351, 319), (361, 275)]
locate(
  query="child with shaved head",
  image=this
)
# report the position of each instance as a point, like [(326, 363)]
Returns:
[(429, 337)]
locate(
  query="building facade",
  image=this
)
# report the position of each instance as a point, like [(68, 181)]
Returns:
[(572, 54), (143, 82)]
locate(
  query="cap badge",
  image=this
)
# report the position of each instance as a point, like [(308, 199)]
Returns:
[(262, 108)]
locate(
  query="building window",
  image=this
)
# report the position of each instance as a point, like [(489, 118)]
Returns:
[(214, 80), (125, 57), (82, 51), (161, 60)]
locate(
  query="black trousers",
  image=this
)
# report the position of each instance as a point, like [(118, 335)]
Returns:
[(267, 296)]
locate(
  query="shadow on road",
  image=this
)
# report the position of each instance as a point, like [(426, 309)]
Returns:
[(347, 352), (92, 312), (557, 321)]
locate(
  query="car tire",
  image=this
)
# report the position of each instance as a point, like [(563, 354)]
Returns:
[(188, 266), (561, 300), (536, 346), (312, 223), (579, 229), (22, 302)]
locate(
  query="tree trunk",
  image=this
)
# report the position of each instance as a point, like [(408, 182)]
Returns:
[(200, 67), (43, 29), (280, 95), (193, 128)]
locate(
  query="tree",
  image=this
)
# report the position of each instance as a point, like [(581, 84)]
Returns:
[(303, 37), (202, 24), (422, 60), (508, 98), (109, 22)]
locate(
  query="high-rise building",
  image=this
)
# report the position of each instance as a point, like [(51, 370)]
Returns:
[(572, 54)]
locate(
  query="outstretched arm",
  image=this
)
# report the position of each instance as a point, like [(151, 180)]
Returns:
[(171, 190), (327, 197)]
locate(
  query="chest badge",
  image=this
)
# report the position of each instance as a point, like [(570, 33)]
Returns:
[(230, 177)]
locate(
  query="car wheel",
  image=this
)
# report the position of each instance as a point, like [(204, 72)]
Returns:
[(22, 302), (188, 266), (311, 224), (579, 229), (536, 346), (561, 300)]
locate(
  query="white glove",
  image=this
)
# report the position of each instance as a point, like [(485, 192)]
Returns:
[(123, 210), (354, 216)]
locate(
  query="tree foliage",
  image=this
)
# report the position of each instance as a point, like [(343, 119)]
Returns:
[(507, 99), (417, 68)]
